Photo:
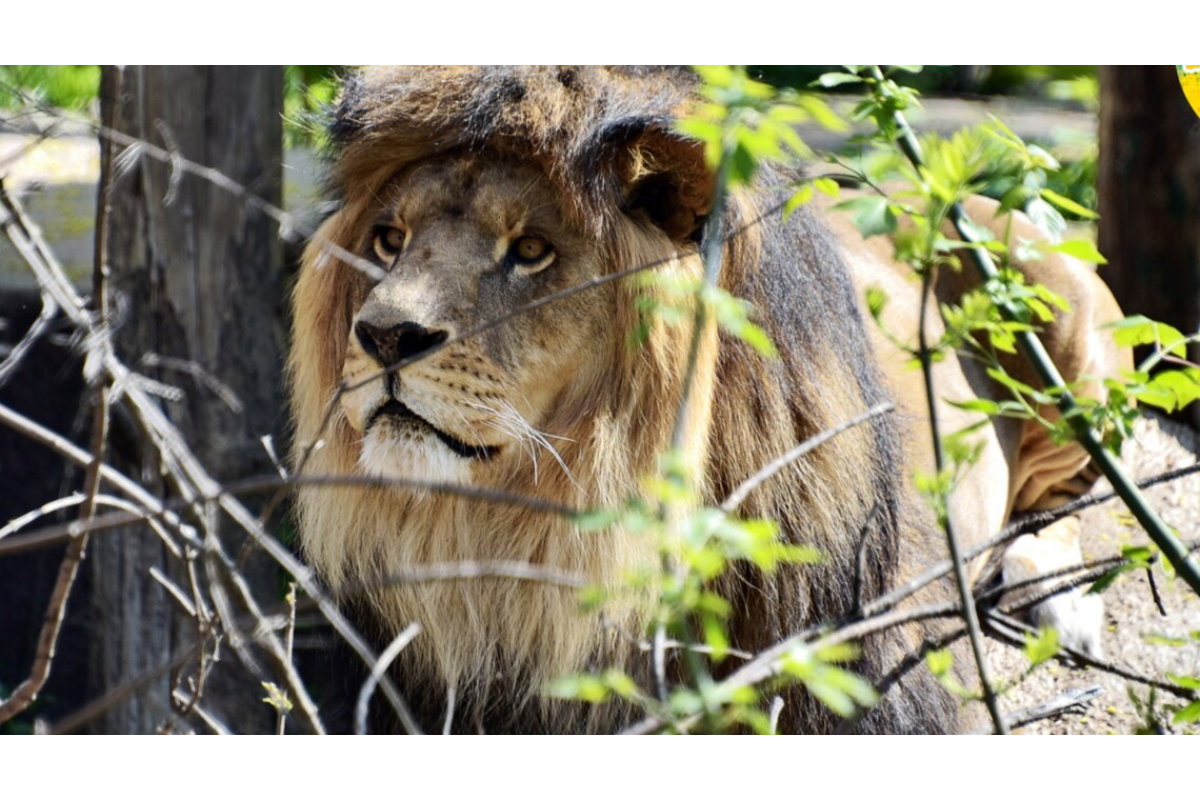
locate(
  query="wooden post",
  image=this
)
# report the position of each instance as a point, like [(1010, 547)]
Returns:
[(1149, 188), (197, 286)]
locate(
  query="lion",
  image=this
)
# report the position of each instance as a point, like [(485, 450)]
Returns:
[(465, 197)]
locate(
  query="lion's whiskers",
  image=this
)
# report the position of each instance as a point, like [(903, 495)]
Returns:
[(507, 419)]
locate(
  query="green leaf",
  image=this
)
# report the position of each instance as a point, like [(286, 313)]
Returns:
[(1046, 216), (1104, 581), (1190, 713), (1182, 386), (714, 636), (743, 163), (1003, 378), (587, 688), (802, 196), (757, 338), (871, 215), (826, 186), (831, 79), (1141, 555), (787, 114), (1041, 648), (1161, 639), (1138, 329), (877, 300), (276, 698), (1079, 248), (701, 129), (977, 404), (685, 702), (939, 662), (1185, 681), (597, 520), (1067, 204)]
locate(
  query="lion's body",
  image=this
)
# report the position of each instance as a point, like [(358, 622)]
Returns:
[(478, 192)]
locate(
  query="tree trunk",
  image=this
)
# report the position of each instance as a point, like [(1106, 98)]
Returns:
[(197, 292), (1149, 188)]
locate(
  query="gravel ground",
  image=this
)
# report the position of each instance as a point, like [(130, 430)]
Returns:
[(1129, 609)]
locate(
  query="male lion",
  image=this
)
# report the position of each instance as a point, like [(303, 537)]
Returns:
[(476, 192)]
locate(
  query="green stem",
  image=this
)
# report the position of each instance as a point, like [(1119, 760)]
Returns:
[(1036, 354), (713, 244), (966, 598)]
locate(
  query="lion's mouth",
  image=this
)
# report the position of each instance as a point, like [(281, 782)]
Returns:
[(395, 410)]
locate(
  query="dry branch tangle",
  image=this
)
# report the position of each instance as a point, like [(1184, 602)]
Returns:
[(151, 509)]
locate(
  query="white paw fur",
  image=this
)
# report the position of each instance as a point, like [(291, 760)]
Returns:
[(1078, 617)]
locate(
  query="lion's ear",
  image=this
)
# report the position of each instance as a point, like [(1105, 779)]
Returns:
[(661, 175)]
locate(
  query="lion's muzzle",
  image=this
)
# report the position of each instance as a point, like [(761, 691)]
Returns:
[(392, 344)]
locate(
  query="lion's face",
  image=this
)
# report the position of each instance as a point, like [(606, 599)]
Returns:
[(464, 242)]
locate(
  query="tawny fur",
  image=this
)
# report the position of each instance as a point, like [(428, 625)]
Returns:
[(464, 161)]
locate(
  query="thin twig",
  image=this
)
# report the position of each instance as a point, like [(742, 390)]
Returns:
[(658, 657), (191, 703), (775, 711), (21, 349), (174, 590), (1154, 593), (119, 480), (378, 669), (196, 370), (1041, 519), (470, 570), (970, 616), (860, 561), (1078, 656), (1072, 700), (451, 701), (288, 642), (739, 495), (119, 694)]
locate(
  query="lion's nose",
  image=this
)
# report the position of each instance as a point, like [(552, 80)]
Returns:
[(391, 345)]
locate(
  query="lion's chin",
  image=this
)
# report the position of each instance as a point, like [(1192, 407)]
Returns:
[(410, 455)]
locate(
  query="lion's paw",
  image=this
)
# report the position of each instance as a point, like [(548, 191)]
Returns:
[(1078, 617)]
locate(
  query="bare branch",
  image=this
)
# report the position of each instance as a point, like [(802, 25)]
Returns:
[(1009, 631), (1068, 701), (215, 725), (39, 673), (203, 376), (21, 349), (776, 710), (126, 485), (289, 641), (958, 560), (377, 671), (119, 694), (451, 701), (739, 495)]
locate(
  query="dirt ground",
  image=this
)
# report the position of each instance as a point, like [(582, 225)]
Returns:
[(1129, 609)]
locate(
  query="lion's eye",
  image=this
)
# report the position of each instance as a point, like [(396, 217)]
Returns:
[(389, 241), (531, 254)]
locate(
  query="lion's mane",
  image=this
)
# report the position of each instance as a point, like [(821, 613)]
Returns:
[(604, 140)]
